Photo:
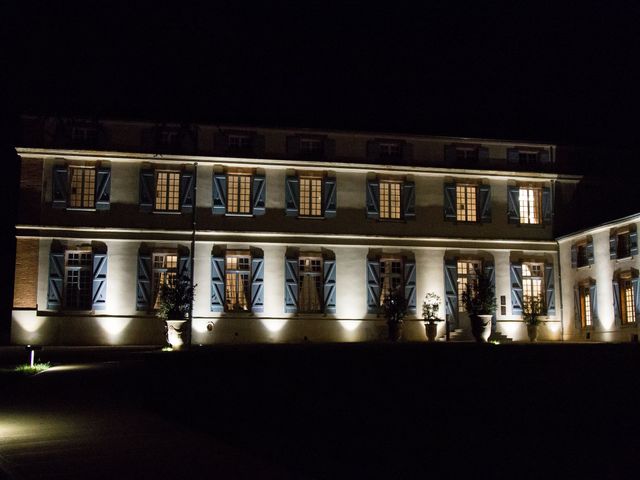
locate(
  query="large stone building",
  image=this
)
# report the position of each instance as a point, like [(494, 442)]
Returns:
[(299, 233)]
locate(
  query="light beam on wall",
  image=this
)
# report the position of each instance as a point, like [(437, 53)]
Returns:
[(29, 324), (113, 326), (350, 325), (273, 325), (200, 325)]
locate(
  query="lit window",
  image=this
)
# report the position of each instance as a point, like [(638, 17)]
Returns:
[(530, 201), (310, 146), (167, 191), (82, 187), (585, 307), (627, 300), (165, 268), (389, 150), (390, 199), (78, 279), (310, 197), (532, 280), (238, 142), (466, 203), (239, 193), (391, 276), (310, 297), (467, 277), (237, 273)]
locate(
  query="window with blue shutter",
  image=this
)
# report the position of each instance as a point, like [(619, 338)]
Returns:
[(409, 200), (574, 256), (513, 204), (451, 289), (549, 283), (483, 155), (60, 184), (635, 285), (259, 195), (373, 199), (547, 206), (373, 286), (217, 284), (184, 263), (143, 283), (450, 208), (590, 254), (593, 297), (292, 195), (513, 156), (99, 287), (516, 288), (330, 197), (577, 308), (257, 284), (219, 194), (484, 203), (613, 245), (147, 190), (617, 312), (410, 285), (633, 240), (329, 287), (56, 280), (103, 188), (291, 285), (186, 192)]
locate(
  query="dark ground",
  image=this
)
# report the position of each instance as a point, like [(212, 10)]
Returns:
[(337, 411)]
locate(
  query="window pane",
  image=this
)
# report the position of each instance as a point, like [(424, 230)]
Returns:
[(310, 197), (530, 199), (82, 187), (310, 297), (390, 200), (466, 203), (391, 276), (467, 276), (167, 191), (78, 280)]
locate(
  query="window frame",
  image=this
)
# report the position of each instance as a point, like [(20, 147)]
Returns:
[(623, 233), (466, 186), (537, 204), (464, 278), (238, 175), (390, 150), (237, 273), (311, 179), (542, 286), (466, 158), (317, 150), (390, 259), (86, 268), (166, 271), (389, 203), (170, 173), (318, 277), (586, 305), (627, 300), (582, 247), (84, 169)]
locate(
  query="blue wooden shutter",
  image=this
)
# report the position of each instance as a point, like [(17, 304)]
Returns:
[(516, 288), (103, 188), (373, 286), (513, 156), (577, 308), (410, 286), (616, 302), (549, 283), (99, 287), (56, 280), (635, 284), (147, 189), (451, 288), (409, 200), (590, 254), (217, 284), (291, 285), (330, 197), (373, 199), (613, 245), (593, 297), (484, 203), (143, 284), (329, 286), (60, 186), (490, 271), (450, 154), (483, 155), (186, 192), (513, 204), (633, 241), (257, 284), (259, 195), (450, 210), (184, 263), (292, 195), (219, 194), (547, 205), (544, 157), (574, 256)]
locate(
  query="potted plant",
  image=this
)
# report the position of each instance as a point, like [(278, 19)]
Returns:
[(430, 310), (479, 301), (175, 298), (533, 308), (394, 308)]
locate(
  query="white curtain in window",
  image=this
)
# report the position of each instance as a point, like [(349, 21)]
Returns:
[(310, 300)]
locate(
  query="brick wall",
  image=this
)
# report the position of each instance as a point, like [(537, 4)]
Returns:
[(26, 277), (30, 190)]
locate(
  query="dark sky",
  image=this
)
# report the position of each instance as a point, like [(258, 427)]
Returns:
[(514, 70)]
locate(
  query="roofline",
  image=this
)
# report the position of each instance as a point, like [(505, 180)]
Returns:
[(603, 226)]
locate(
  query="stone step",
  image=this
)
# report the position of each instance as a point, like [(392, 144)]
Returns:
[(461, 335)]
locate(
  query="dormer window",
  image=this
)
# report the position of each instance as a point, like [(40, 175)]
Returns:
[(389, 150), (623, 242), (238, 142), (83, 134), (168, 138), (310, 146), (466, 155)]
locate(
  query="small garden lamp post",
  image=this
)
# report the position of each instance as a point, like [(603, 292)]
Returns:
[(32, 353)]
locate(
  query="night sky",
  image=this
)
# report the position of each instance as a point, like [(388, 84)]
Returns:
[(521, 71)]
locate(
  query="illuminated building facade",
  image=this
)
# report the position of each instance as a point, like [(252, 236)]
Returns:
[(298, 233)]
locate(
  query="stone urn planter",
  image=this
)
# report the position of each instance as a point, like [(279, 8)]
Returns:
[(481, 327), (532, 332), (432, 331), (176, 333)]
